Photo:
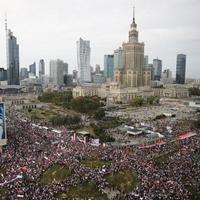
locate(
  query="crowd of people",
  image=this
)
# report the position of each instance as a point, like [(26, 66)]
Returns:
[(32, 150)]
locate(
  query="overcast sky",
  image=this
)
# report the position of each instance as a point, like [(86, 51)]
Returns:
[(49, 29)]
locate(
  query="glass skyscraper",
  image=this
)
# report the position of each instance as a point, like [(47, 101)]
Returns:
[(12, 59), (180, 68), (83, 58), (41, 68), (157, 65), (109, 67)]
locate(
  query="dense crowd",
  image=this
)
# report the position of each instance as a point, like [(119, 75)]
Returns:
[(31, 151)]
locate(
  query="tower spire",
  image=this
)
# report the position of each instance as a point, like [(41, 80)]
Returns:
[(134, 13)]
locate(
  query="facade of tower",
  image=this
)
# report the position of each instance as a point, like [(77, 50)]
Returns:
[(57, 72), (133, 73), (32, 69), (180, 68), (41, 68), (83, 60), (109, 67), (157, 65), (12, 59)]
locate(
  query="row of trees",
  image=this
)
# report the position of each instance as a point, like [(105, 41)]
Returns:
[(58, 98), (194, 91), (100, 132), (139, 101), (65, 120), (86, 105)]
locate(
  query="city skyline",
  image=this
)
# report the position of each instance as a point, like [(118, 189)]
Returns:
[(164, 36)]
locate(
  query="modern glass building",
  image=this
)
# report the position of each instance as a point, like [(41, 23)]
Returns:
[(180, 68), (41, 68), (32, 69), (109, 67), (23, 73), (157, 65), (83, 60), (12, 58), (57, 72)]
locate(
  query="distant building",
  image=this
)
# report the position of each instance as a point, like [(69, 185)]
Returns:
[(97, 69), (150, 66), (68, 80), (12, 58), (167, 76), (83, 58), (98, 78), (41, 68), (32, 69), (57, 71), (23, 73), (146, 61), (157, 65), (75, 76), (118, 59), (3, 74), (109, 67), (180, 68)]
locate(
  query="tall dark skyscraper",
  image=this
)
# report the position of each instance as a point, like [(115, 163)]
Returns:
[(109, 66), (41, 68), (157, 65), (180, 68), (32, 69), (12, 49)]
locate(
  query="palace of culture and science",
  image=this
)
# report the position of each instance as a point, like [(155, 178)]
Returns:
[(131, 79), (133, 73)]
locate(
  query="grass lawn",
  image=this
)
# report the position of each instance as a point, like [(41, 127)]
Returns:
[(55, 174), (39, 113), (93, 164), (2, 193), (124, 180), (83, 191)]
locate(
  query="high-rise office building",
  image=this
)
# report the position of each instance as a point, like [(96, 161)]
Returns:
[(133, 73), (109, 67), (118, 58), (146, 61), (157, 65), (57, 72), (3, 74), (83, 58), (41, 68), (12, 58), (167, 76), (32, 69), (65, 68), (180, 68), (150, 66), (97, 69), (23, 73)]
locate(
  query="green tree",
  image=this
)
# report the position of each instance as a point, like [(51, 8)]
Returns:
[(194, 91), (99, 114), (85, 104), (137, 101)]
